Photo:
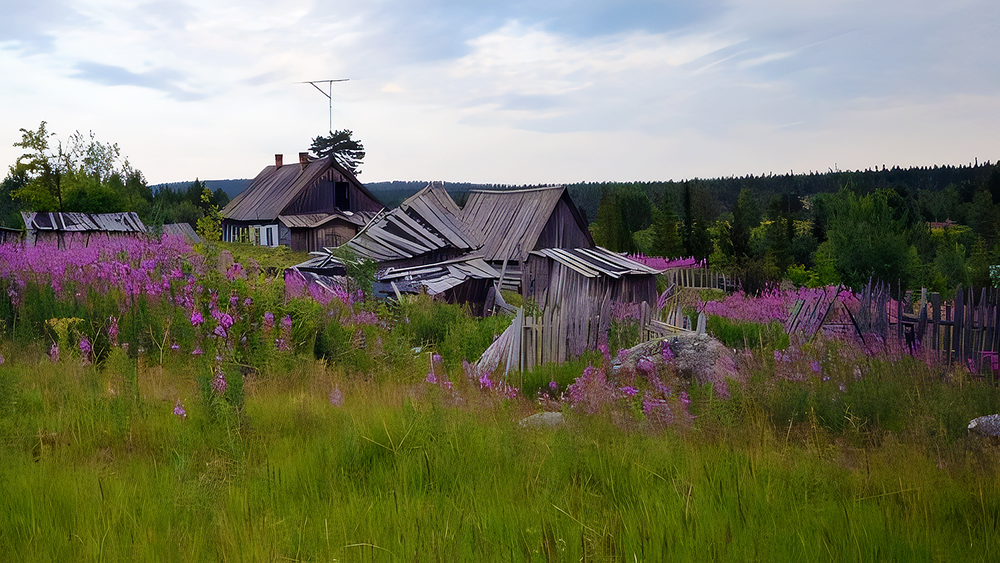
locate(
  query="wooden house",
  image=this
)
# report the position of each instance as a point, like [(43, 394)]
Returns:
[(513, 223), (307, 206), (78, 229)]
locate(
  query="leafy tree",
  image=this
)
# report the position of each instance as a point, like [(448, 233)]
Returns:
[(82, 175), (347, 151), (210, 225), (9, 206), (869, 243), (43, 190)]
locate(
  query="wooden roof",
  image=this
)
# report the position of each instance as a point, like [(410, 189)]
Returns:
[(182, 229), (82, 222), (313, 220), (426, 222), (442, 276), (276, 187), (595, 262), (511, 221)]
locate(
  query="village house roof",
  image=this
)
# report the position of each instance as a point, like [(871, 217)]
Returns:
[(83, 222), (512, 222), (426, 222), (278, 187)]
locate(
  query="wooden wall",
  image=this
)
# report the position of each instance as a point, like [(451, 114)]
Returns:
[(575, 310), (562, 230)]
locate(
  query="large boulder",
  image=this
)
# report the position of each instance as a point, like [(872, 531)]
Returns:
[(988, 425), (698, 358)]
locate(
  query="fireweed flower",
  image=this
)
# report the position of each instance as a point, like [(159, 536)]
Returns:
[(196, 318), (431, 378), (85, 350), (54, 352), (179, 409), (113, 330), (645, 365), (553, 386), (175, 346), (629, 391), (219, 383), (336, 397), (268, 320), (196, 352)]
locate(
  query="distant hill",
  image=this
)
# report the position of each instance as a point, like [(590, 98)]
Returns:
[(231, 187)]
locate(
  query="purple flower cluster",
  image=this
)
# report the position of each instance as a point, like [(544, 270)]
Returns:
[(136, 267)]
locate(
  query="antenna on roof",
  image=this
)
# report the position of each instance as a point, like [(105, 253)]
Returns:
[(328, 94)]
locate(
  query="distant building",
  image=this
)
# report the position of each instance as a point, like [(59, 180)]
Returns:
[(78, 229), (307, 206)]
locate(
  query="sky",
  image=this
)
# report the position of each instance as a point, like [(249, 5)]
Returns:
[(516, 92)]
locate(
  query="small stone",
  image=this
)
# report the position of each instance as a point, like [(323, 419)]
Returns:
[(544, 420)]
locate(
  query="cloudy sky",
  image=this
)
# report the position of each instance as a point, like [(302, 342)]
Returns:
[(540, 91)]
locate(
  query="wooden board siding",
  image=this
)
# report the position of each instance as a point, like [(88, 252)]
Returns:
[(329, 235), (562, 230), (576, 309), (320, 196)]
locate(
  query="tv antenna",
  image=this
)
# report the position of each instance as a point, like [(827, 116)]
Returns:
[(328, 93)]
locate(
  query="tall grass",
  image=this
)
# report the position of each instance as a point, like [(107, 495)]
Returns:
[(96, 466)]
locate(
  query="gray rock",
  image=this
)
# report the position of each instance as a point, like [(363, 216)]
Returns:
[(544, 420), (988, 425)]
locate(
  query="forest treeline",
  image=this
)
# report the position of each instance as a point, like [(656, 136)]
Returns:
[(919, 227)]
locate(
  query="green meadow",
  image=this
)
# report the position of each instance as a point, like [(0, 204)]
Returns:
[(96, 466)]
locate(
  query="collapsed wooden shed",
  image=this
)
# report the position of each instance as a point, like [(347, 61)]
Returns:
[(426, 228), (578, 292), (465, 281)]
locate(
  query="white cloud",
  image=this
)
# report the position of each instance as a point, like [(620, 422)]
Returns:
[(512, 92)]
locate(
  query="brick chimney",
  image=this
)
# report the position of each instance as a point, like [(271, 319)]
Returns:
[(303, 159), (277, 160)]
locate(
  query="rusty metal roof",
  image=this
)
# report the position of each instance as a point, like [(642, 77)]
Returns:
[(275, 187), (511, 221), (595, 262), (128, 222), (426, 222)]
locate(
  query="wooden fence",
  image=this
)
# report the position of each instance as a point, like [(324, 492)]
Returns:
[(698, 278)]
